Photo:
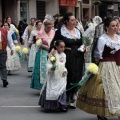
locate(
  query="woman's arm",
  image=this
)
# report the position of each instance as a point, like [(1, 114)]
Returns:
[(30, 41), (99, 49), (14, 38), (56, 37)]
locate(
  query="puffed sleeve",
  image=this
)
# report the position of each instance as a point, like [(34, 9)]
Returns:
[(25, 34), (100, 48), (10, 41)]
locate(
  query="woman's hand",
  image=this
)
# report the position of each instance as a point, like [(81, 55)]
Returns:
[(52, 69), (12, 52), (97, 60), (44, 47), (29, 45), (16, 44), (64, 74), (86, 49), (52, 52)]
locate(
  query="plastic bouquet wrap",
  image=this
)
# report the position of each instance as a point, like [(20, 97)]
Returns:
[(18, 50), (22, 53), (41, 42), (86, 42), (91, 70)]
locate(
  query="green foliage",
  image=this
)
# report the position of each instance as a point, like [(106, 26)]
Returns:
[(86, 40)]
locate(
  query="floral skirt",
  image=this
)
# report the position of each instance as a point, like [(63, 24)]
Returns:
[(13, 61), (39, 72), (52, 104), (94, 96)]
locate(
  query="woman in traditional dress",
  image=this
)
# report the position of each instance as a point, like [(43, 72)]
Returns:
[(74, 59), (101, 94), (90, 33), (31, 44), (13, 62), (39, 73), (53, 96)]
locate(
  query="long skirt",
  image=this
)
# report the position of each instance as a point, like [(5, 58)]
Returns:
[(13, 61), (75, 68), (39, 73), (52, 104), (101, 94), (31, 58)]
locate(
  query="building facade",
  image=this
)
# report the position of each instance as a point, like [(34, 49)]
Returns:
[(112, 8), (26, 9)]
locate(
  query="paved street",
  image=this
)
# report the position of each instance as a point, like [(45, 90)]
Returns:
[(19, 102)]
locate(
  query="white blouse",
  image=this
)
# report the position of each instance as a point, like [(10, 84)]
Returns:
[(33, 33), (106, 40)]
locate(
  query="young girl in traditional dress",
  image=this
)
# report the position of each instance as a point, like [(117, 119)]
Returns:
[(101, 94), (53, 96)]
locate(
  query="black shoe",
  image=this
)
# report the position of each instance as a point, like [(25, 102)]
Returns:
[(9, 72), (101, 118), (63, 110), (5, 83)]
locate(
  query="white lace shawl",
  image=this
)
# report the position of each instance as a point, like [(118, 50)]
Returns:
[(67, 34), (106, 40)]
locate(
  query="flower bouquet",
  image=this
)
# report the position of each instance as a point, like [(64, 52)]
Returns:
[(18, 50), (25, 51), (86, 42), (22, 53), (53, 61), (41, 42), (91, 70)]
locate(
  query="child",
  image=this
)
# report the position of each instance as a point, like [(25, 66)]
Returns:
[(53, 96)]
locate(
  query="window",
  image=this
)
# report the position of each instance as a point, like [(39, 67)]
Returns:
[(86, 1), (23, 10)]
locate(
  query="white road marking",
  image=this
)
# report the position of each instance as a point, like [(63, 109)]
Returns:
[(19, 106)]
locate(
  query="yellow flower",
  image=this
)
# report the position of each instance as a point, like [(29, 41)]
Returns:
[(39, 42), (17, 48), (52, 58), (25, 51), (93, 68)]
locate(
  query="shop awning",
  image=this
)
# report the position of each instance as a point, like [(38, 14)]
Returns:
[(67, 2)]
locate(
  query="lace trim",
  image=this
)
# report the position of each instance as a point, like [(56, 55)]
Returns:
[(110, 43), (66, 34), (110, 79)]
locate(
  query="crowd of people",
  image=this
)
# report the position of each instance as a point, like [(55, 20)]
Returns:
[(58, 51)]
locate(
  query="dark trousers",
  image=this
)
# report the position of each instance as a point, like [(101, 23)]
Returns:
[(3, 70)]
